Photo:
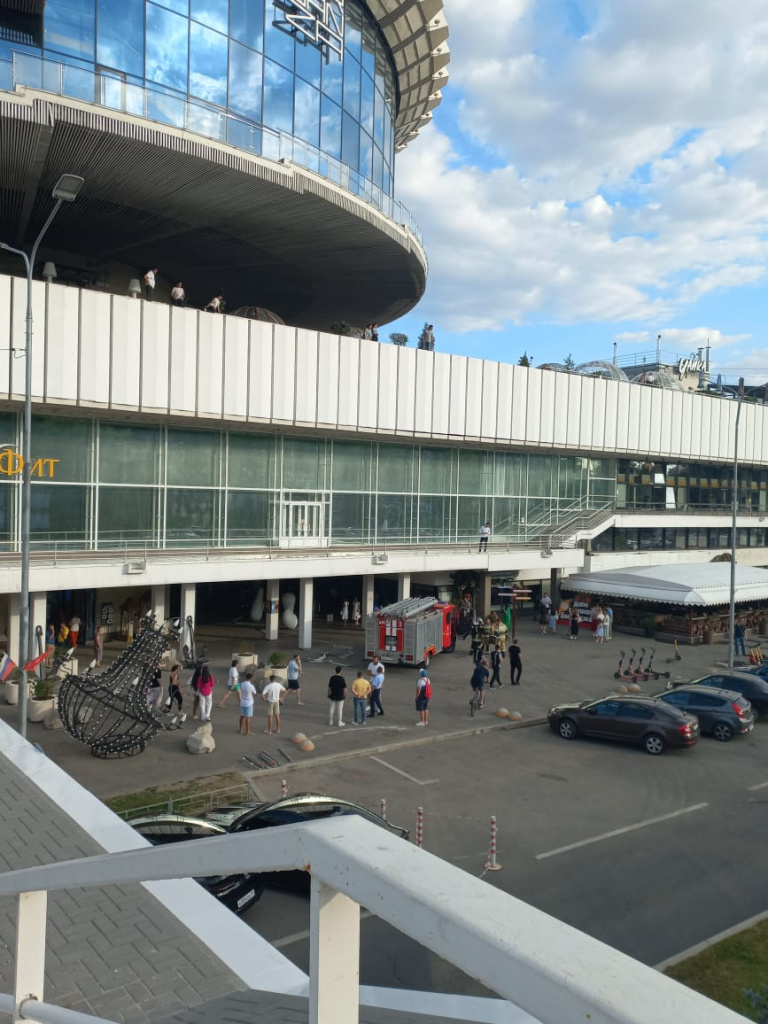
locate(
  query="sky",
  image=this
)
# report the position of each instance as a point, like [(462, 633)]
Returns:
[(597, 174)]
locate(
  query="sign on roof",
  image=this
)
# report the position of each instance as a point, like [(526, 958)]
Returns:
[(320, 22)]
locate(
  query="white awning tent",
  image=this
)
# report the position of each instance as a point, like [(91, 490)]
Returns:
[(691, 585)]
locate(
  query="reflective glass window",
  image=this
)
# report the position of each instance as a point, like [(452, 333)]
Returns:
[(369, 48), (474, 473), (308, 63), (351, 466), (350, 518), (127, 514), (303, 464), (377, 173), (251, 461), (70, 27), (167, 47), (189, 516), (180, 6), (352, 88), (366, 155), (7, 501), (540, 476), (353, 32), (367, 104), (58, 515), (207, 64), (213, 13), (193, 458), (394, 518), (167, 108), (473, 512), (396, 466), (378, 119), (333, 77), (246, 22), (69, 441), (128, 454), (506, 521), (245, 76), (437, 471), (120, 38), (250, 516), (350, 141), (306, 120), (435, 518), (508, 474), (278, 97), (278, 44), (330, 128)]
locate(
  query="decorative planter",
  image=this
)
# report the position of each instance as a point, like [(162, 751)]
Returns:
[(245, 661), (263, 674), (12, 692), (38, 709)]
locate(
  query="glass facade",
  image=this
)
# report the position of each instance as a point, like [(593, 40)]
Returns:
[(647, 484), (230, 56)]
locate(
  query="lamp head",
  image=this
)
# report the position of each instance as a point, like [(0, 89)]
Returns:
[(67, 187)]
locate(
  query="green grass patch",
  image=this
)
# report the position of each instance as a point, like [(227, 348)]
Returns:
[(723, 971), (195, 793)]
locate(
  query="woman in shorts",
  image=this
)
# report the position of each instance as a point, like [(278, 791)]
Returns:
[(233, 682), (423, 694)]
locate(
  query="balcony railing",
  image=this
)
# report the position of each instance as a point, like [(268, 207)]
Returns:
[(155, 104), (533, 961)]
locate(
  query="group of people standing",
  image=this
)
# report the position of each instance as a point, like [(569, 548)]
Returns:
[(354, 608), (487, 670), (601, 619), (178, 294)]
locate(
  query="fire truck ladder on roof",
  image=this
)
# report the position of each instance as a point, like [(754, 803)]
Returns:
[(405, 609)]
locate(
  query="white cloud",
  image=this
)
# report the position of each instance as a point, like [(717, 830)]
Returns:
[(620, 167), (681, 338)]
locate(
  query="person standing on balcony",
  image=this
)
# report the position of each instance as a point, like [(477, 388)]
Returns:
[(178, 295), (485, 533), (215, 305), (149, 284)]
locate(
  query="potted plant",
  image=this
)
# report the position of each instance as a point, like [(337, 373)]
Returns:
[(277, 666), (12, 687), (41, 699), (649, 626), (245, 657)]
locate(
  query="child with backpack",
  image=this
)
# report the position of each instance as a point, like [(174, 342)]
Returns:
[(423, 697)]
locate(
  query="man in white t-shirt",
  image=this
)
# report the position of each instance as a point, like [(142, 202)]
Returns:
[(247, 694), (273, 695), (149, 284), (485, 533), (374, 667)]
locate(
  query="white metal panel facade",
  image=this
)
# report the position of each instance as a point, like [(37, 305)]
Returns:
[(260, 372), (155, 341), (406, 389), (306, 382), (349, 375), (236, 368), (94, 359), (424, 403), (327, 380), (126, 353)]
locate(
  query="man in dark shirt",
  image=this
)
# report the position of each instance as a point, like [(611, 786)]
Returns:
[(496, 657), (515, 662), (478, 681), (337, 694)]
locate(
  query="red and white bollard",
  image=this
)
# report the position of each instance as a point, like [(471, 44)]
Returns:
[(283, 788), (383, 811), (420, 827), (492, 865)]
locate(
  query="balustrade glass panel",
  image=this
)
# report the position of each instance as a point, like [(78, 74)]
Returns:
[(190, 517), (127, 515), (58, 515), (249, 518)]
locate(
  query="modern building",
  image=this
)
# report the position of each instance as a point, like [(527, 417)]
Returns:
[(246, 146)]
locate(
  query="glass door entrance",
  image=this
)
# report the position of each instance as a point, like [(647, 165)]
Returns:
[(302, 524)]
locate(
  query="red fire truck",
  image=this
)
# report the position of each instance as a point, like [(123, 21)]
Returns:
[(411, 632)]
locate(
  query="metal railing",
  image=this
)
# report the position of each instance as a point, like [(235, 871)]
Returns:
[(537, 963), (196, 802), (155, 104)]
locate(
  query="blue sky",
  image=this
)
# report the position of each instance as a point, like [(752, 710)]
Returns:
[(597, 173)]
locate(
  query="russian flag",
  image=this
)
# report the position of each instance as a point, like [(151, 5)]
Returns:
[(6, 667)]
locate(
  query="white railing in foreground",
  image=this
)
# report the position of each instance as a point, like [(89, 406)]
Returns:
[(547, 968)]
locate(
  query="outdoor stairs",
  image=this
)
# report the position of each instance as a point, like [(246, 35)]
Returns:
[(572, 529)]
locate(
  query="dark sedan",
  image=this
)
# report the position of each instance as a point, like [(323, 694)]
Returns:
[(753, 687), (238, 892), (643, 721), (721, 713)]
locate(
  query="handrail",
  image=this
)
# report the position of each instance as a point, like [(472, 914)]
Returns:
[(542, 965)]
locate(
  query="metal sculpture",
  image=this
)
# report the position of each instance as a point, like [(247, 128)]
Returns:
[(110, 712)]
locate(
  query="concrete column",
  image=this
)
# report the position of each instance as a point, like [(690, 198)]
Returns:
[(483, 596), (403, 586), (334, 956), (159, 602), (187, 611), (14, 625), (554, 586), (272, 609), (306, 602), (369, 585), (37, 617)]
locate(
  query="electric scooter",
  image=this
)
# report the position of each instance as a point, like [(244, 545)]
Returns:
[(620, 672), (653, 673), (640, 673), (677, 656)]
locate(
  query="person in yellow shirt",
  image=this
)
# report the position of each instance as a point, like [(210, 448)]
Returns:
[(361, 691)]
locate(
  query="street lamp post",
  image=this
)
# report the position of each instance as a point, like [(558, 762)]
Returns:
[(65, 191), (734, 511)]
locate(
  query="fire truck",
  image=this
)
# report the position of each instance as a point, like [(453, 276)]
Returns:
[(411, 632)]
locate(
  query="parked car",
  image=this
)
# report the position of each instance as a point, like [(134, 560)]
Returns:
[(238, 892), (749, 685), (651, 724), (721, 713)]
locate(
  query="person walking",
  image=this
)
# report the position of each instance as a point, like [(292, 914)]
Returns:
[(497, 656), (545, 605), (194, 682), (478, 681), (149, 284), (485, 533), (178, 295), (205, 693), (98, 645), (174, 688), (552, 621), (361, 692), (344, 613), (739, 639), (423, 697), (247, 696), (600, 626), (356, 612), (233, 682), (376, 684), (294, 673), (74, 630), (273, 695), (609, 623), (515, 662), (575, 620), (337, 694)]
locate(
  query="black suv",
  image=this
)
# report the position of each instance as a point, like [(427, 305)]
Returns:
[(748, 685), (721, 713)]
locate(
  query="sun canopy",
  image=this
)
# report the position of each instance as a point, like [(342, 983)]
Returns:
[(693, 585)]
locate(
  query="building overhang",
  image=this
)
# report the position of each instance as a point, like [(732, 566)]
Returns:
[(267, 233)]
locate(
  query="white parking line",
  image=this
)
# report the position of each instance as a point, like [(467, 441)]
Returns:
[(289, 940), (619, 831), (760, 785), (419, 782)]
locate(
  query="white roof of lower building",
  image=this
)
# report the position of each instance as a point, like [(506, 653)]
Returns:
[(693, 585)]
